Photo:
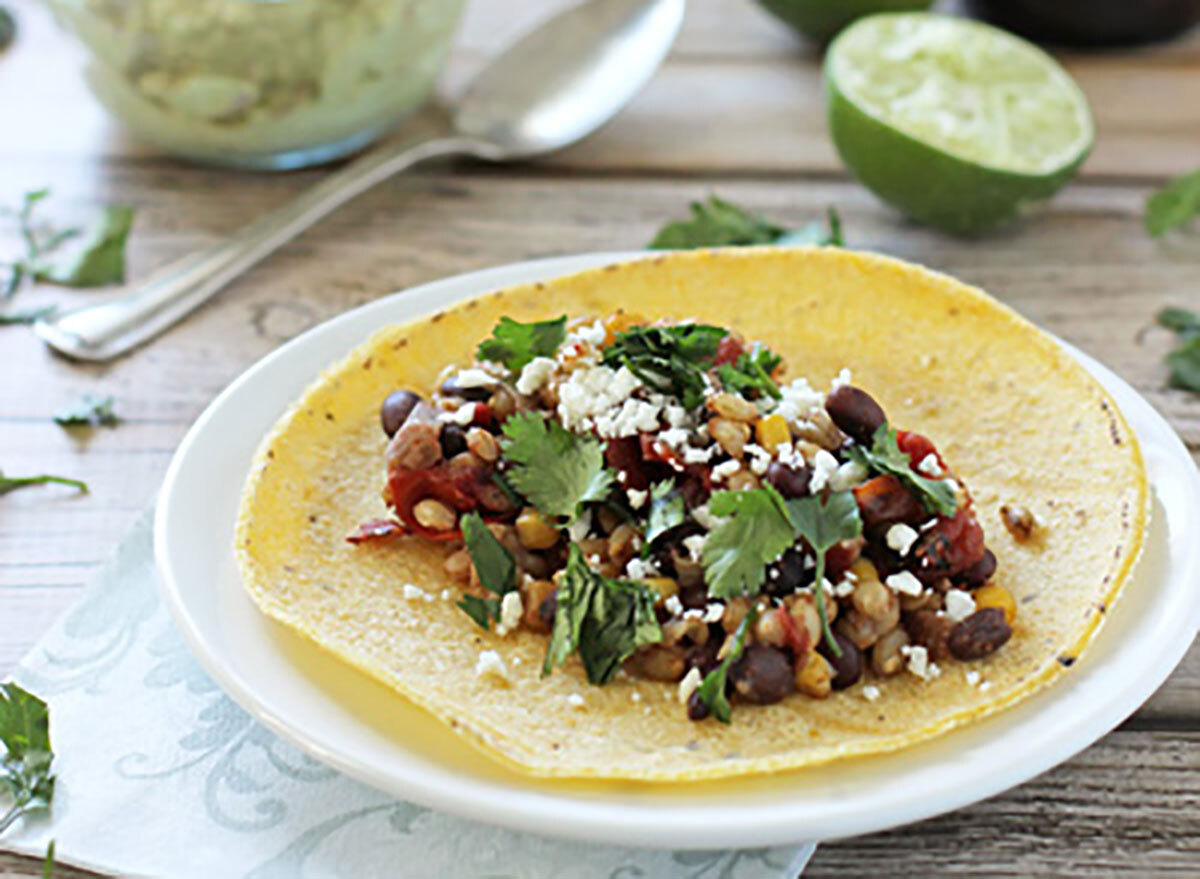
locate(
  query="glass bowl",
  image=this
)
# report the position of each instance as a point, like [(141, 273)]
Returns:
[(270, 84)]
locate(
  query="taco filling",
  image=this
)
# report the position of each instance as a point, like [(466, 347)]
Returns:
[(656, 499)]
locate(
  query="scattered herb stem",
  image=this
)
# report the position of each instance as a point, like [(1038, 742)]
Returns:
[(12, 483)]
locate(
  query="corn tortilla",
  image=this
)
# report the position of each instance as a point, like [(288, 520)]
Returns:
[(1019, 419)]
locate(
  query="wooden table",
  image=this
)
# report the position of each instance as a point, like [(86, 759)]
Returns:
[(737, 110)]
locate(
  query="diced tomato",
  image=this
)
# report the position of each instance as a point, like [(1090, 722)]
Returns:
[(917, 447), (884, 500), (840, 556), (950, 547), (624, 455), (797, 640), (729, 349), (376, 529), (483, 416)]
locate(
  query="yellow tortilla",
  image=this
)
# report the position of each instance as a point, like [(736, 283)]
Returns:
[(1019, 419)]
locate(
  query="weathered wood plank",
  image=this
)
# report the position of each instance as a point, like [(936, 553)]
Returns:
[(1078, 821)]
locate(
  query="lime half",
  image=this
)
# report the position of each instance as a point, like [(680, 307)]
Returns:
[(821, 20), (957, 123)]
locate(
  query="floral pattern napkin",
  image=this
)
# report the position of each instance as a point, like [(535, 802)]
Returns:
[(161, 774)]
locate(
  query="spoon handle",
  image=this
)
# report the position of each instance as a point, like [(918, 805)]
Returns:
[(102, 332)]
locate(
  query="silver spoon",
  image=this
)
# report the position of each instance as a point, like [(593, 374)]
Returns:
[(551, 88)]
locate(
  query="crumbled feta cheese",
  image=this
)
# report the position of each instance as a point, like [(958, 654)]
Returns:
[(575, 701), (828, 587), (841, 379), (694, 544), (535, 375), (843, 589), (411, 592), (590, 334), (490, 664), (925, 526), (474, 378), (847, 476), (676, 416), (674, 606), (594, 559), (930, 467), (429, 597), (579, 529), (446, 595), (698, 456), (726, 468), (918, 660), (901, 537), (984, 686), (972, 677), (637, 497), (463, 415), (798, 399), (953, 486), (959, 605), (714, 612), (640, 569), (905, 583), (631, 418), (635, 696), (935, 670), (824, 466), (688, 685), (594, 391), (760, 458), (809, 563), (511, 608), (706, 519), (870, 692), (675, 437), (850, 576)]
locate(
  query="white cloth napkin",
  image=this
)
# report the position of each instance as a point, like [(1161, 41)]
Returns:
[(160, 774)]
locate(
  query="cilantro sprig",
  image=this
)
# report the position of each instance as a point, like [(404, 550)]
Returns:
[(884, 456), (12, 483), (89, 411), (1184, 358), (515, 344), (495, 567), (737, 552), (719, 223), (25, 767), (1173, 206), (750, 374), (711, 690), (823, 523), (671, 360), (604, 620), (556, 470)]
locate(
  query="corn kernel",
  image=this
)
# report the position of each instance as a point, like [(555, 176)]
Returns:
[(863, 569), (534, 531), (772, 432), (664, 587), (619, 322), (995, 595), (814, 677)]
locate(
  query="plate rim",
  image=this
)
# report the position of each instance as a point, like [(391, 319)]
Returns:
[(587, 820)]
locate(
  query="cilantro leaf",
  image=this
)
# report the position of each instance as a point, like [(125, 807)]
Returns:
[(1174, 205), (671, 360), (750, 374), (884, 456), (1181, 320), (25, 766), (604, 620), (48, 864), (737, 552), (823, 523), (12, 483), (712, 689), (666, 510), (99, 258), (27, 316), (1184, 359), (558, 471), (495, 567), (515, 344), (719, 223), (89, 411)]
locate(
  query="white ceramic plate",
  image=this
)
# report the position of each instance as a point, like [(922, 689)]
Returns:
[(365, 730)]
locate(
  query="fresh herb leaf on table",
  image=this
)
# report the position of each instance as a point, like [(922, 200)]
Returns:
[(48, 864), (12, 483), (824, 524), (494, 566), (671, 360), (1184, 359), (604, 620), (25, 766), (750, 374), (737, 552), (8, 28), (89, 411), (556, 470), (515, 344), (1173, 206), (711, 690), (884, 456), (99, 258), (719, 223)]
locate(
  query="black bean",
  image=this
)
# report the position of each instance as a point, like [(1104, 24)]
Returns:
[(396, 408), (980, 572), (762, 674), (453, 439), (703, 658), (696, 709), (855, 412), (477, 394), (848, 667), (983, 632), (789, 481), (548, 609), (788, 574)]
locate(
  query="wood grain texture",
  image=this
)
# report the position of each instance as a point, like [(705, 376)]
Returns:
[(737, 111)]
